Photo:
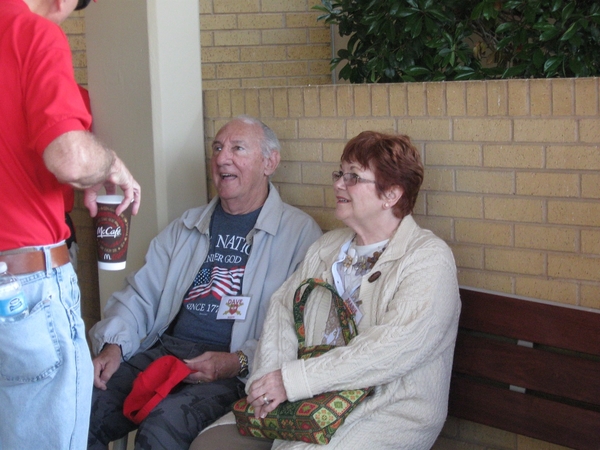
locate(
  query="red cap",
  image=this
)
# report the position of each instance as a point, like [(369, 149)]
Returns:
[(152, 385)]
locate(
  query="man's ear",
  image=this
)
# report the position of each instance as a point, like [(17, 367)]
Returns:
[(272, 162), (57, 6), (58, 10)]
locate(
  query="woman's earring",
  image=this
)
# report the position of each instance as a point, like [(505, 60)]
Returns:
[(386, 205)]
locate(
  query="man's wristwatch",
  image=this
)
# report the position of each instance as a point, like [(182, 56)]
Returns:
[(243, 364)]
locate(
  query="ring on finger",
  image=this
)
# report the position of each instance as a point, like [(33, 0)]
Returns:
[(266, 400)]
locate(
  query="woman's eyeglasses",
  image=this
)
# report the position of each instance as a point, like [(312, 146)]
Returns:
[(350, 179)]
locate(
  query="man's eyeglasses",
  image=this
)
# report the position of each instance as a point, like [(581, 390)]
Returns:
[(350, 179)]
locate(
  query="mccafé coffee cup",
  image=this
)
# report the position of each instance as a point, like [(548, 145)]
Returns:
[(112, 232)]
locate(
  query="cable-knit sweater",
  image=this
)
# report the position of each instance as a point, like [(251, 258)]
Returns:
[(404, 347)]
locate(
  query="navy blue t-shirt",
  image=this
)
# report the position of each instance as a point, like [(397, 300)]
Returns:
[(221, 275)]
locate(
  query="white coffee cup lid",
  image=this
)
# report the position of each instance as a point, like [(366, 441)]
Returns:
[(112, 265), (110, 199)]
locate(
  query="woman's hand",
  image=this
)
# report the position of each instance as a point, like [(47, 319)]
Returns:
[(266, 393)]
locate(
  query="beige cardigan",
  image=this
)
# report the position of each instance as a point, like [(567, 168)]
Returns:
[(404, 347)]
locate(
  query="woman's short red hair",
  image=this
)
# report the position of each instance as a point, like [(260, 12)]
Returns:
[(395, 162)]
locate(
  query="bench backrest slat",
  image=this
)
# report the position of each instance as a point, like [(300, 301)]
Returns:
[(558, 366), (552, 325), (538, 370)]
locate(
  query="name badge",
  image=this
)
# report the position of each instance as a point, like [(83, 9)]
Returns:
[(353, 307), (233, 308)]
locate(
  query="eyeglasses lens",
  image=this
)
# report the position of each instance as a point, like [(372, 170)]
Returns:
[(350, 179)]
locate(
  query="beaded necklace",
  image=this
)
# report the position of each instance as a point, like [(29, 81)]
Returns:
[(359, 265)]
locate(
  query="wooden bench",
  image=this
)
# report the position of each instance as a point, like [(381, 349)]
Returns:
[(528, 367)]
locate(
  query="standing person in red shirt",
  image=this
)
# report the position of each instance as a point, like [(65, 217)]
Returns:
[(46, 374)]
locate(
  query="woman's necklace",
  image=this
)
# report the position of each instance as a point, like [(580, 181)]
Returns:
[(360, 265)]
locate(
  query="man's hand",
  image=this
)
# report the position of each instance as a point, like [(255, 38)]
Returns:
[(79, 159), (211, 366), (119, 176), (106, 364)]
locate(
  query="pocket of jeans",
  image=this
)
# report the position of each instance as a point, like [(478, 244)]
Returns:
[(29, 348)]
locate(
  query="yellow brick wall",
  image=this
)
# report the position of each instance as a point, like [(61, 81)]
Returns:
[(512, 169), (254, 43), (246, 43), (74, 27)]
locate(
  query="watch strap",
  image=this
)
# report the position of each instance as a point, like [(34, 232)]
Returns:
[(243, 364)]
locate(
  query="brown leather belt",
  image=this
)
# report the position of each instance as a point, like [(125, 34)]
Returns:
[(34, 260)]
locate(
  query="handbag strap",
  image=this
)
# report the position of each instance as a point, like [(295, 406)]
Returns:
[(346, 320)]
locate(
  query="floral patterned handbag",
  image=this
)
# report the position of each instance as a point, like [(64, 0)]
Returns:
[(312, 420)]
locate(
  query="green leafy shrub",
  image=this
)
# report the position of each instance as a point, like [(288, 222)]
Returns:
[(434, 40)]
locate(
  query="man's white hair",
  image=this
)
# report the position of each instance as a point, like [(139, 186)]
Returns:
[(269, 143)]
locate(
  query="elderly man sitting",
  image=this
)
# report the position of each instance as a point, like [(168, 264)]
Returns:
[(242, 246)]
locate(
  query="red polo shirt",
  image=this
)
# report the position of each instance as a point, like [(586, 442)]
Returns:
[(39, 101)]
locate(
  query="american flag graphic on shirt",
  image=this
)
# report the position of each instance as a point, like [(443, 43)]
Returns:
[(217, 281)]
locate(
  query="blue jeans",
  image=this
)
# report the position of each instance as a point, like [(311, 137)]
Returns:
[(46, 374)]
